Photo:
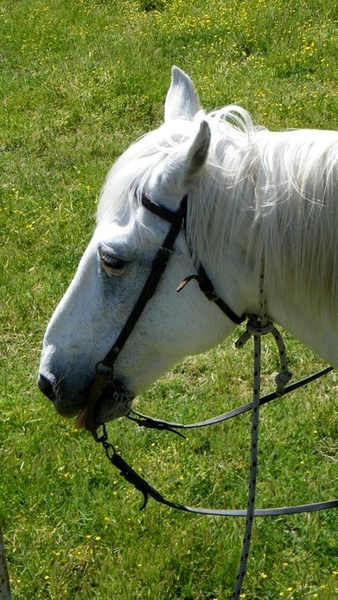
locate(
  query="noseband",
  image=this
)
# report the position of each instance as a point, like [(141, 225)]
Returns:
[(105, 369)]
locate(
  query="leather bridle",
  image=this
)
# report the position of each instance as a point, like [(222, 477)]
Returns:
[(104, 376)]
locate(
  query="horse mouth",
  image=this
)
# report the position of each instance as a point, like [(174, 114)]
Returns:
[(115, 402)]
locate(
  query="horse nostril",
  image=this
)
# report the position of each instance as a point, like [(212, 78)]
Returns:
[(46, 386)]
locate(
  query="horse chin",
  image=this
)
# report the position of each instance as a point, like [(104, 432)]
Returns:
[(114, 403)]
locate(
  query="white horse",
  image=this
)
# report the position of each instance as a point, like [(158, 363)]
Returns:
[(258, 203)]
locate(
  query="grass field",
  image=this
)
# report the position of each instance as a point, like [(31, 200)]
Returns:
[(80, 81)]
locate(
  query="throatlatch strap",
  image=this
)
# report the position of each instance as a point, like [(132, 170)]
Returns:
[(210, 293)]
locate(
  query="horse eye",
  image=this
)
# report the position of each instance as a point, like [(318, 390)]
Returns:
[(111, 265)]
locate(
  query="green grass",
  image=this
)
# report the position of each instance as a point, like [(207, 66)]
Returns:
[(79, 82)]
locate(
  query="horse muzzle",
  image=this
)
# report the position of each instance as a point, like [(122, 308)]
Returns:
[(102, 401)]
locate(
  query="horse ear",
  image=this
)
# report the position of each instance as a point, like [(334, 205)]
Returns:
[(182, 100), (198, 152)]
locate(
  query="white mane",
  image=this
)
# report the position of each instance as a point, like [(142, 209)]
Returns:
[(274, 184)]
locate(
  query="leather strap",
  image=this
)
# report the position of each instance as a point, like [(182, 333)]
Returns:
[(152, 423), (147, 490), (210, 293)]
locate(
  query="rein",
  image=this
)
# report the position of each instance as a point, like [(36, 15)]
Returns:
[(161, 425), (256, 328)]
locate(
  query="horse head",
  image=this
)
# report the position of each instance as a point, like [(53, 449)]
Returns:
[(164, 166)]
